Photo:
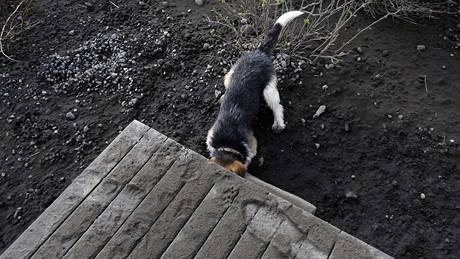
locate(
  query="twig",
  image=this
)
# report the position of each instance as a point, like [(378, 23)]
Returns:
[(114, 4), (426, 85), (3, 31)]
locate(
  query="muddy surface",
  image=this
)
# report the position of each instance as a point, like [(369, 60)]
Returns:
[(382, 162)]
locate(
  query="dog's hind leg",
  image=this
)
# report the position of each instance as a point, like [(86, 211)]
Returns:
[(272, 97)]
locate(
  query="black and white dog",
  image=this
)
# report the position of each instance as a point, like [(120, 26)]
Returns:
[(231, 140)]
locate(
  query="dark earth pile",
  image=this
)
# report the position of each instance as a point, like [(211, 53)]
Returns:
[(382, 162)]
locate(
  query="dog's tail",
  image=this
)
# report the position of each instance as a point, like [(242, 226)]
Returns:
[(272, 37)]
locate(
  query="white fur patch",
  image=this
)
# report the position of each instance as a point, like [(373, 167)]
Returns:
[(272, 97), (288, 17)]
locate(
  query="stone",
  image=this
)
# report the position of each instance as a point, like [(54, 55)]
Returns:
[(199, 2), (421, 48), (70, 116), (321, 110)]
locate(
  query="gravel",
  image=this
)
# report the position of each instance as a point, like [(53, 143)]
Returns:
[(102, 66)]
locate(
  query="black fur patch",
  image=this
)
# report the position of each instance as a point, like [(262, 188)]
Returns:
[(272, 37)]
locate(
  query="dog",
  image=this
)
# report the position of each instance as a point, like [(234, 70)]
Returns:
[(230, 141)]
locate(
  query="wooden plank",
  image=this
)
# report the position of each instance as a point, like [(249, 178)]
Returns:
[(348, 246), (166, 227), (105, 226), (291, 198), (258, 235), (233, 224), (84, 215), (125, 239), (290, 242), (190, 238), (72, 196)]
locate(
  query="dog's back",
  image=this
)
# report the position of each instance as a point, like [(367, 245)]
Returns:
[(242, 98)]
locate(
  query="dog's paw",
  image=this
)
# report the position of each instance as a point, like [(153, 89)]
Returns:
[(278, 127)]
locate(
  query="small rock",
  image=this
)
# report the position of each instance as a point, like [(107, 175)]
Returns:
[(16, 212), (199, 2), (321, 110), (351, 195), (72, 32), (347, 127), (359, 50), (422, 196), (164, 4), (421, 47), (444, 67), (317, 145), (206, 46), (325, 87), (86, 128), (329, 66), (248, 30), (385, 53), (261, 161), (353, 176), (303, 120), (70, 116)]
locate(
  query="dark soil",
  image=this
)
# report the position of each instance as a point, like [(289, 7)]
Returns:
[(382, 162)]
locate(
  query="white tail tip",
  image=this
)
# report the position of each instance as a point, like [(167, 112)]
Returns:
[(284, 19)]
